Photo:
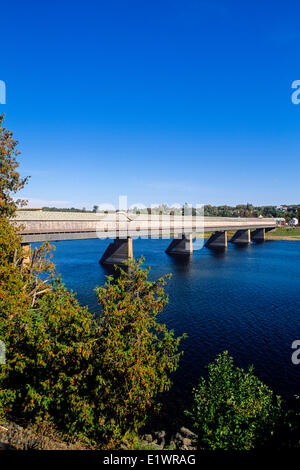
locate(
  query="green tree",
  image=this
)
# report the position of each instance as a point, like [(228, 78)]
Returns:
[(233, 409), (10, 180), (136, 353), (46, 375)]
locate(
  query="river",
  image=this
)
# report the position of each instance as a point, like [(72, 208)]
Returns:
[(245, 300)]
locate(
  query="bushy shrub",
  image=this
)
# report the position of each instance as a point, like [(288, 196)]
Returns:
[(135, 352), (46, 375), (233, 409)]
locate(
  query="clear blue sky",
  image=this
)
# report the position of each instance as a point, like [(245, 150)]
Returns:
[(164, 101)]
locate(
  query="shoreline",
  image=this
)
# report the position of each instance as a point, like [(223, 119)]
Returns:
[(282, 237), (269, 237)]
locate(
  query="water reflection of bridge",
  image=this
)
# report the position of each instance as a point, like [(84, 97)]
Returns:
[(38, 226)]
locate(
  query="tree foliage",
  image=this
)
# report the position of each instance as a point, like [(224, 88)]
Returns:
[(233, 409), (135, 351), (94, 377), (48, 349), (10, 180)]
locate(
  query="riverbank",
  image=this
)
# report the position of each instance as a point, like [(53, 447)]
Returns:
[(46, 437), (280, 233), (280, 237), (284, 233)]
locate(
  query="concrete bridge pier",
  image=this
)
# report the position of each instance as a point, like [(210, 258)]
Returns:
[(117, 252), (217, 241), (181, 246), (26, 254), (241, 237), (258, 235)]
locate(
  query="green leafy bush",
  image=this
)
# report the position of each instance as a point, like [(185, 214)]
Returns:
[(46, 375), (136, 353), (233, 409)]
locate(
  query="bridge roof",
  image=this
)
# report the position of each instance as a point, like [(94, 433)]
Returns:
[(53, 226)]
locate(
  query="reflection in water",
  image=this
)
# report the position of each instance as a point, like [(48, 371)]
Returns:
[(241, 246), (219, 252), (181, 263), (113, 270)]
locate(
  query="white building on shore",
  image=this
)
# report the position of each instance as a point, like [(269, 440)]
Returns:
[(293, 222)]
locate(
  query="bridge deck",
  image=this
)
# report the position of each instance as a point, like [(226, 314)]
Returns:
[(55, 226)]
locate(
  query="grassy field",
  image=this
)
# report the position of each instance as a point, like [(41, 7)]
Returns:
[(280, 233), (285, 233)]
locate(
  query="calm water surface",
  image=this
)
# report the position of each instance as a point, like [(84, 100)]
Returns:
[(246, 301)]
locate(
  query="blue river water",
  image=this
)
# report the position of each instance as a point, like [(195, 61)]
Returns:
[(245, 300)]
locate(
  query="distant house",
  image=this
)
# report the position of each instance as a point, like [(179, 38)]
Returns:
[(293, 222), (282, 208)]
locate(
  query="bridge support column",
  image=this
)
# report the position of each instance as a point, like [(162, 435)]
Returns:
[(241, 237), (218, 241), (26, 254), (181, 246), (258, 235), (118, 251)]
